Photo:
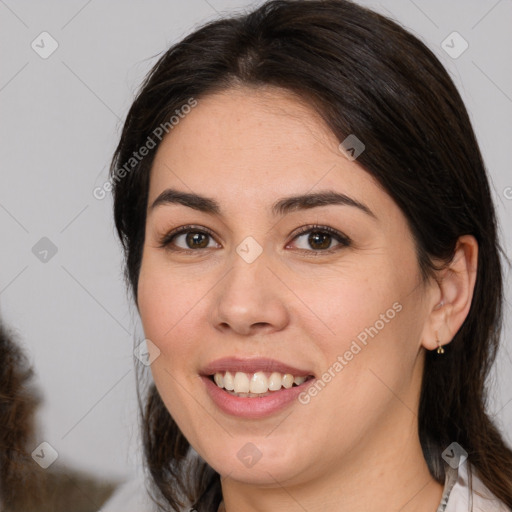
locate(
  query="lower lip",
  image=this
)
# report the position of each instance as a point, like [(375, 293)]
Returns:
[(256, 407)]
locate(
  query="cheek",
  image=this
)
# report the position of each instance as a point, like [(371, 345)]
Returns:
[(368, 318), (153, 294), (346, 302), (166, 309), (167, 303)]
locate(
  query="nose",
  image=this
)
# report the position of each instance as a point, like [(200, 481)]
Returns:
[(250, 299)]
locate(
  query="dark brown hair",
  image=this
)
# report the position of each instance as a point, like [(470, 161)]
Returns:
[(24, 486), (364, 75), (18, 402)]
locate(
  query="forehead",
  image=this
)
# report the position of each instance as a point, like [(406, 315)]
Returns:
[(254, 144)]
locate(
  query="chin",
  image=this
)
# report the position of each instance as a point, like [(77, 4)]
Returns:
[(257, 463)]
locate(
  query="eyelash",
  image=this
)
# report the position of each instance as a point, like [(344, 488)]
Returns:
[(344, 241)]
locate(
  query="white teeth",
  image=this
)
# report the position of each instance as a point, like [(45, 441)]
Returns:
[(241, 383), (256, 384), (288, 381), (219, 380), (228, 382), (275, 381)]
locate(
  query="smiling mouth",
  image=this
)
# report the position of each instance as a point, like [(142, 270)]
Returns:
[(258, 384)]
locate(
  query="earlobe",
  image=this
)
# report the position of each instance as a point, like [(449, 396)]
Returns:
[(456, 283)]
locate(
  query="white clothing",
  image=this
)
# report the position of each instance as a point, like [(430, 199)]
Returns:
[(457, 498)]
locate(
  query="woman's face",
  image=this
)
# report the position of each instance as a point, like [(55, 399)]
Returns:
[(253, 288)]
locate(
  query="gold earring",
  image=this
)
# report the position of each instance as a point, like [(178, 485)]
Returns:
[(440, 349)]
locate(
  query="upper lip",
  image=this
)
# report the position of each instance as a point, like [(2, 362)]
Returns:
[(235, 364)]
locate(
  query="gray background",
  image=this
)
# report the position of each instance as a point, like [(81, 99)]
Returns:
[(60, 120)]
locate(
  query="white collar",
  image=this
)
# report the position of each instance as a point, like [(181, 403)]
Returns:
[(458, 498)]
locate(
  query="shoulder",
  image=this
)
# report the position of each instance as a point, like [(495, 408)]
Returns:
[(458, 498)]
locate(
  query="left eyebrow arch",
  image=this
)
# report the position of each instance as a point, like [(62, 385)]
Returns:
[(314, 200), (279, 208)]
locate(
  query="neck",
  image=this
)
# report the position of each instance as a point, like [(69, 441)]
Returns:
[(386, 471)]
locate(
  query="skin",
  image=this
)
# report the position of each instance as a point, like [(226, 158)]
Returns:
[(355, 446)]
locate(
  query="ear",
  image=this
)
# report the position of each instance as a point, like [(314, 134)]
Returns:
[(450, 301)]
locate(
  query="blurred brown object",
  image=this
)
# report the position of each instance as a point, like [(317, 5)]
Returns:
[(24, 485)]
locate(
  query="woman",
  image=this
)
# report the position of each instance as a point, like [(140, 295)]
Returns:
[(311, 245)]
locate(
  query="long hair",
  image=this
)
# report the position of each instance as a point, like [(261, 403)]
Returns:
[(364, 75)]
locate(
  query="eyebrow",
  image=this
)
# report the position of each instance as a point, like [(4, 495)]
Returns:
[(280, 207)]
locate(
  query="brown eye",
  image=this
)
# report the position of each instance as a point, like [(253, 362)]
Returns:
[(187, 239), (196, 240), (320, 239)]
